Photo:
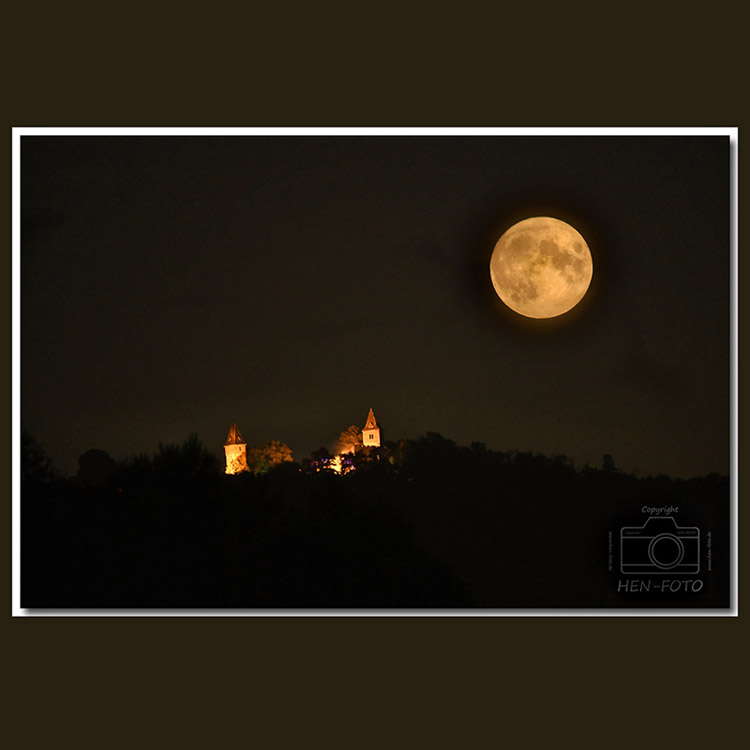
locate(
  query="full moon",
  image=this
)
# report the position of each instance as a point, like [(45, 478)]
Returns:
[(541, 267)]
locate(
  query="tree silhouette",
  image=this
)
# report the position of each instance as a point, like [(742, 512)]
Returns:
[(188, 461), (95, 468), (420, 523), (36, 465)]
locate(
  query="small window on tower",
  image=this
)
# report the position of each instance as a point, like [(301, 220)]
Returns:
[(372, 437)]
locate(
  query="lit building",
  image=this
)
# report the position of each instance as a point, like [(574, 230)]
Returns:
[(235, 450), (371, 431)]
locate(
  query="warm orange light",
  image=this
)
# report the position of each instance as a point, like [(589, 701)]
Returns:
[(336, 463), (235, 451), (541, 267), (236, 457), (371, 431)]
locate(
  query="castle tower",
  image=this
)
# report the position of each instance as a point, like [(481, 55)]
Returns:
[(235, 450), (371, 431)]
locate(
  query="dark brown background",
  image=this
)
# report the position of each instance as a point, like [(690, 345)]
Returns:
[(371, 681)]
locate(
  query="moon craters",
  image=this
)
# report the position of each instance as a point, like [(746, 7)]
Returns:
[(541, 267)]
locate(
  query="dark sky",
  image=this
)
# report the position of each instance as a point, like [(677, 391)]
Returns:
[(175, 284)]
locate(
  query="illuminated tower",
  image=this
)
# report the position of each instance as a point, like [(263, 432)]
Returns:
[(235, 450), (371, 431)]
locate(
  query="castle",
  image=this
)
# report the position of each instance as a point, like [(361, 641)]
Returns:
[(371, 431), (235, 448), (235, 451)]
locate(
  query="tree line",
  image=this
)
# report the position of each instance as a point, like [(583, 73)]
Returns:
[(420, 523)]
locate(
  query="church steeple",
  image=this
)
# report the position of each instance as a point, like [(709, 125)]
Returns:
[(371, 431), (234, 437), (235, 450)]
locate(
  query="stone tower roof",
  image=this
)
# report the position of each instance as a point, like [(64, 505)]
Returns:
[(234, 437), (371, 423)]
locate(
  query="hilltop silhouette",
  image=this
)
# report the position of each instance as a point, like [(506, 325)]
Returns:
[(420, 523)]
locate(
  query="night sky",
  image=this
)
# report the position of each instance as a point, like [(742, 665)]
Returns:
[(176, 284)]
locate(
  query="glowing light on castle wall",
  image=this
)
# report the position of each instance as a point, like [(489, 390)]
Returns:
[(235, 450), (236, 457)]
